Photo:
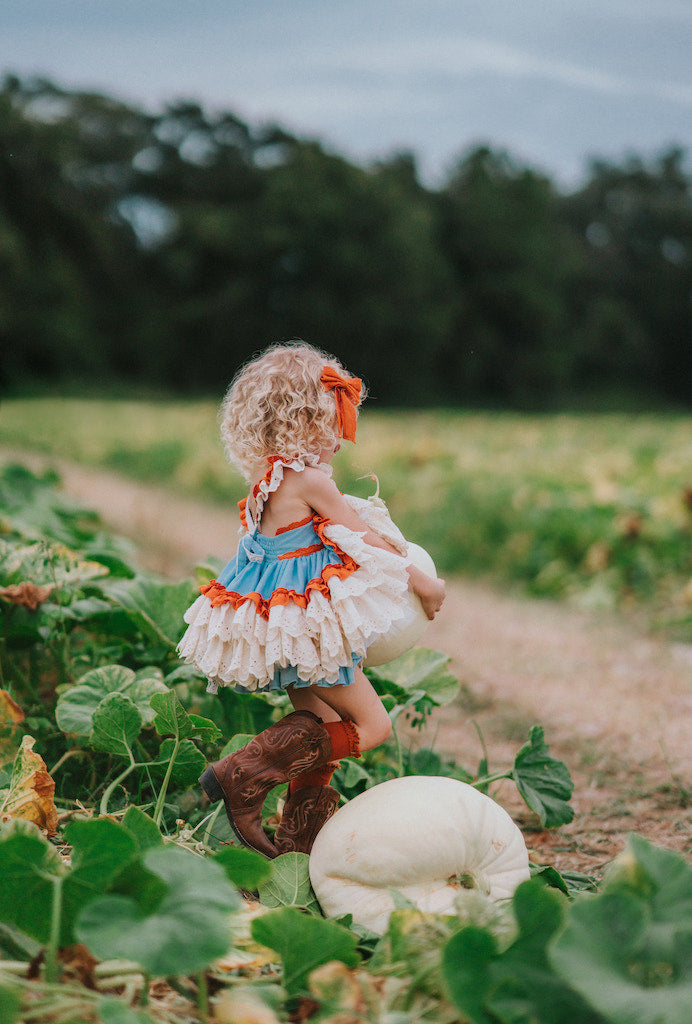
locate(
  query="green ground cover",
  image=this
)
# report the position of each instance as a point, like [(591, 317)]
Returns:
[(124, 902), (597, 508)]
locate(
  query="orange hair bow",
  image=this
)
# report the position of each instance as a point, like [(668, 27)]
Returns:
[(347, 397)]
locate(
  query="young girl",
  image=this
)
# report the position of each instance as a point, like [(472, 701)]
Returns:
[(312, 585)]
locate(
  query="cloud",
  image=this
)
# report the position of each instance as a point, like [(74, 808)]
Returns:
[(465, 56), (554, 79)]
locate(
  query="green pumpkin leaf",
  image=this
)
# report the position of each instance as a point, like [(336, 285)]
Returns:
[(350, 774), (171, 717), (33, 866), (466, 964), (244, 712), (236, 743), (571, 883), (304, 943), (657, 875), (289, 884), (75, 708), (74, 711), (628, 950), (116, 724), (143, 887), (155, 608), (244, 868), (518, 984), (182, 934), (101, 851), (10, 1004), (188, 766), (204, 729), (115, 1011), (142, 828), (422, 669), (146, 683), (543, 781)]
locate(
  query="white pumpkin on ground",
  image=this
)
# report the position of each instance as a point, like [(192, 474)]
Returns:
[(426, 837), (406, 632)]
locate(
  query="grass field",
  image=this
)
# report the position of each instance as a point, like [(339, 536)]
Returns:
[(597, 508)]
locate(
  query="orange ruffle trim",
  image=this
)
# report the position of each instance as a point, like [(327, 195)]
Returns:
[(242, 505), (271, 459), (218, 595), (299, 552), (282, 529), (294, 526), (243, 519)]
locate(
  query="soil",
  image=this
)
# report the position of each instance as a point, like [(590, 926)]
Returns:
[(614, 699)]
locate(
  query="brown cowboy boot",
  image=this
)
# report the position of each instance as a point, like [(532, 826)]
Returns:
[(296, 744), (304, 814)]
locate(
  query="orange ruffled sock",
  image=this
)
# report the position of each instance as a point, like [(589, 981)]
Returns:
[(344, 739), (345, 742)]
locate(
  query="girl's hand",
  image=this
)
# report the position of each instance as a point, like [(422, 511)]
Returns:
[(430, 591)]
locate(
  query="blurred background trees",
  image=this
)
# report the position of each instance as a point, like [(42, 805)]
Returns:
[(164, 249)]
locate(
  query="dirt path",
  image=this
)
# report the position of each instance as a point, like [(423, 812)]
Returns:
[(616, 703)]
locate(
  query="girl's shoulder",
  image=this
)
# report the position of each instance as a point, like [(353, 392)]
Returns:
[(310, 479), (290, 483)]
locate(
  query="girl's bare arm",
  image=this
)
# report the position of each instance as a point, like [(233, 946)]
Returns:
[(322, 494)]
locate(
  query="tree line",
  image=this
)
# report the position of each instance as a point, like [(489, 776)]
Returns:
[(166, 248)]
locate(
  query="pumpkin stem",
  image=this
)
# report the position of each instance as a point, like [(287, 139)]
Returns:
[(462, 881)]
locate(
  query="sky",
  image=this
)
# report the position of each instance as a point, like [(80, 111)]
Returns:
[(555, 83)]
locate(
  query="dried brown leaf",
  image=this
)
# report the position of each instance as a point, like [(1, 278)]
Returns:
[(78, 964), (10, 711), (28, 595), (31, 792)]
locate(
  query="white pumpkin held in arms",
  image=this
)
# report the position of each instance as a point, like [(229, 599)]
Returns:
[(405, 633)]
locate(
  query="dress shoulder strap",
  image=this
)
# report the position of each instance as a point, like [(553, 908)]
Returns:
[(270, 482)]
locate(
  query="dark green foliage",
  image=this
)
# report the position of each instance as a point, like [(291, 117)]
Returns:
[(518, 984), (621, 956), (614, 957), (628, 950), (157, 904), (124, 727), (544, 783), (182, 931), (245, 868), (166, 249), (304, 943)]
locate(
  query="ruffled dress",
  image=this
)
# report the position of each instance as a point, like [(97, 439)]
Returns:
[(299, 608)]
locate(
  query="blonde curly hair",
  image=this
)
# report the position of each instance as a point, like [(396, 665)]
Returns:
[(276, 405)]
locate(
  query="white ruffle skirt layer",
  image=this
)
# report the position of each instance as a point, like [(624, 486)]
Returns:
[(299, 608)]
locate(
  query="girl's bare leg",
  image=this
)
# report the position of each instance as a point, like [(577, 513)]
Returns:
[(303, 698), (359, 702)]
